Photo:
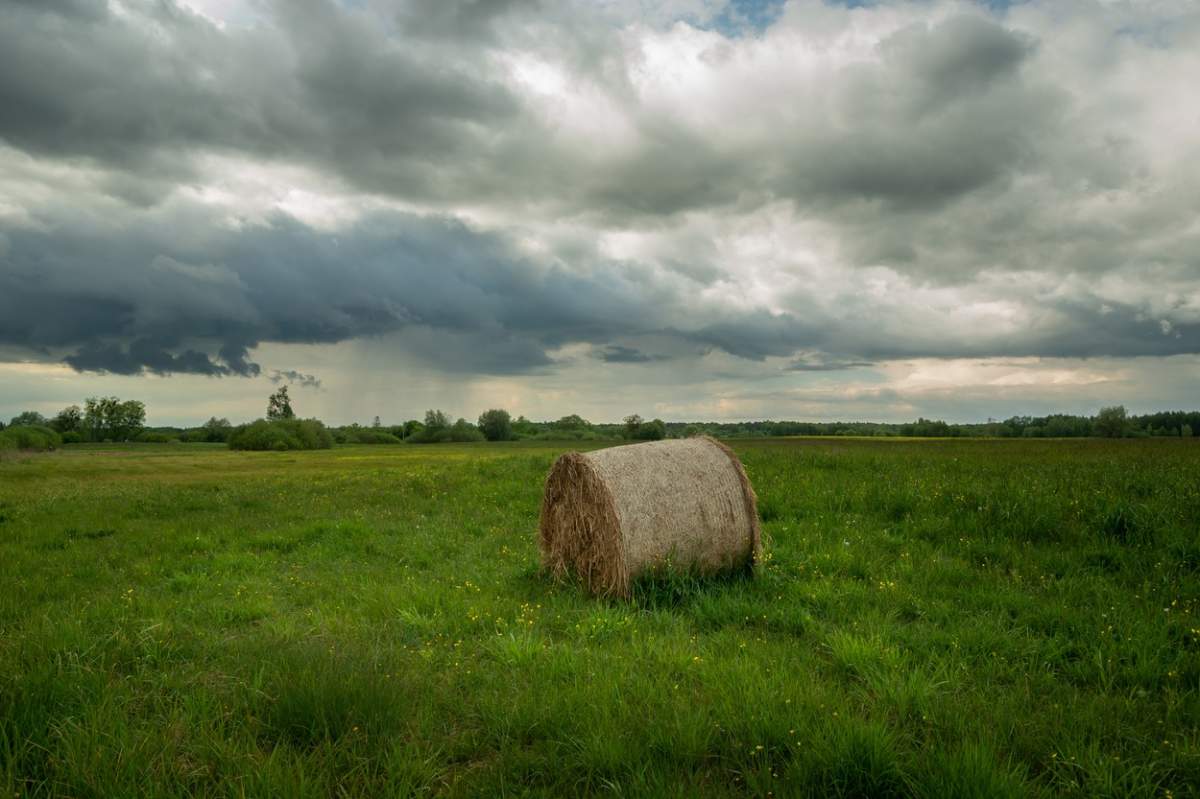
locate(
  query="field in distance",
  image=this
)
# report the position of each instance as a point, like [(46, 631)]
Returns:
[(933, 618)]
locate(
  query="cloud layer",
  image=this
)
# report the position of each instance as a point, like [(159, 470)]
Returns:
[(512, 188)]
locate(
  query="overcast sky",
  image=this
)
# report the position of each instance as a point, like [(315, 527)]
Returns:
[(691, 209)]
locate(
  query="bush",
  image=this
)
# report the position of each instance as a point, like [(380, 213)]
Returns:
[(460, 431), (357, 434), (28, 419), (557, 434), (31, 437), (281, 435), (496, 425), (377, 437), (654, 430), (365, 436), (151, 437), (72, 437), (214, 430), (1111, 422)]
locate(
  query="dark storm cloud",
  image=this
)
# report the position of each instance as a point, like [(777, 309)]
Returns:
[(144, 91), (142, 355), (962, 56), (406, 99), (236, 358), (944, 112), (471, 352), (819, 362), (616, 353), (759, 336), (294, 377), (1081, 327), (73, 8), (142, 299), (139, 299), (459, 19), (944, 156)]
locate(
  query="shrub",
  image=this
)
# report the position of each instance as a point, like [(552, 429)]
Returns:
[(357, 434), (460, 431), (365, 436), (68, 420), (152, 437), (31, 437), (280, 435), (1111, 422), (496, 424), (72, 437), (654, 430), (566, 435), (28, 419), (216, 430)]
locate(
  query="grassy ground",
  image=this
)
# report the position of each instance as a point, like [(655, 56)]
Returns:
[(976, 618)]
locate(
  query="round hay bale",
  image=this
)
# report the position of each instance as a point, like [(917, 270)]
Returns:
[(612, 514)]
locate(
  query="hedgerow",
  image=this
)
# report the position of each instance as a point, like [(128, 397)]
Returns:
[(280, 435)]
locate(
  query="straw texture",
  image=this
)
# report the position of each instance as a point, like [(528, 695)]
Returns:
[(612, 514)]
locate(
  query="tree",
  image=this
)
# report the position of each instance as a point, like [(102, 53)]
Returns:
[(1185, 431), (632, 423), (376, 424), (110, 419), (523, 428), (462, 430), (217, 430), (69, 420), (438, 429), (280, 435), (1111, 422), (436, 420), (93, 418), (127, 420), (496, 424), (28, 419), (654, 430), (279, 405)]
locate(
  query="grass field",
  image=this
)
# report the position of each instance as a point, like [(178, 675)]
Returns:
[(952, 618)]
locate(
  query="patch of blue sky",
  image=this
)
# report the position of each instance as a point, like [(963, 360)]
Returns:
[(742, 17), (752, 17)]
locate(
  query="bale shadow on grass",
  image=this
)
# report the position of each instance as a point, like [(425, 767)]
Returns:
[(679, 590)]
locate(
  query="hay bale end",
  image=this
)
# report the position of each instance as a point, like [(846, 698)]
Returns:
[(613, 514)]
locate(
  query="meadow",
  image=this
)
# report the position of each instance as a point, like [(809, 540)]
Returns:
[(981, 618)]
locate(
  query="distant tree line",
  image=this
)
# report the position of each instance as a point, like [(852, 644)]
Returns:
[(100, 419), (1111, 422), (112, 419)]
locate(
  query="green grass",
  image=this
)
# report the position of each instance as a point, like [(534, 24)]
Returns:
[(934, 619)]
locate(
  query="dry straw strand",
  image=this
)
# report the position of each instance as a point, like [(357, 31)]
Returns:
[(612, 514)]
